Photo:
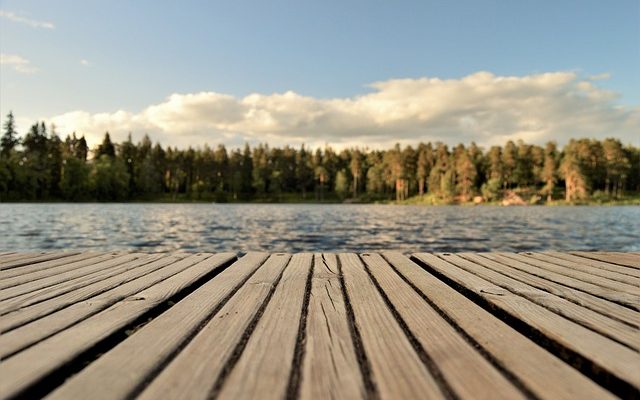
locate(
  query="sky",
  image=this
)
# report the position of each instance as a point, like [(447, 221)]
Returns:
[(346, 73)]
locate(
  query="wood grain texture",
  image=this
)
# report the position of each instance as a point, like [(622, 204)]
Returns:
[(53, 300), (35, 259), (603, 306), (484, 268), (266, 362), (623, 298), (20, 256), (194, 372), (469, 374), (630, 275), (330, 367), (397, 370), (618, 361), (627, 260), (32, 273), (594, 263), (75, 277), (125, 370), (16, 340), (601, 279), (48, 265), (456, 326), (29, 367), (520, 356)]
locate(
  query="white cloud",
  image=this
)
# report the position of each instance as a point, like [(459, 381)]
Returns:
[(481, 107), (600, 77), (11, 16), (84, 62), (18, 63)]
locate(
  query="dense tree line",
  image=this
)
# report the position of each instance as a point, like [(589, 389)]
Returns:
[(42, 166)]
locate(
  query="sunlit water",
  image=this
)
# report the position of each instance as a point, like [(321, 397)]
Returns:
[(294, 228)]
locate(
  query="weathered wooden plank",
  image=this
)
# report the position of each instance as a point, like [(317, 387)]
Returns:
[(632, 275), (22, 316), (29, 367), (21, 255), (397, 370), (123, 371), (29, 283), (602, 306), (520, 357), (111, 267), (265, 365), (605, 281), (613, 364), (11, 256), (626, 299), (33, 260), (29, 273), (542, 261), (18, 339), (509, 279), (626, 260), (330, 366), (469, 375), (594, 263)]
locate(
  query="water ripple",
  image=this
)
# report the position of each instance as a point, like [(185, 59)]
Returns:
[(294, 228)]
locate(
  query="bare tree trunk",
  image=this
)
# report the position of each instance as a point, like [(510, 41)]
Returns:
[(355, 186)]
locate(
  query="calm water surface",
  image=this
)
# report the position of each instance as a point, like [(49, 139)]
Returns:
[(293, 228)]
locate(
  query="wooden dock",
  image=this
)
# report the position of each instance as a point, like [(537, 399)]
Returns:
[(96, 325)]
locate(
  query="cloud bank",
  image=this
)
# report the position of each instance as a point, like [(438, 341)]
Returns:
[(11, 16), (18, 63), (480, 107)]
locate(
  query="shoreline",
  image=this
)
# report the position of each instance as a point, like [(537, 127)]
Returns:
[(634, 202)]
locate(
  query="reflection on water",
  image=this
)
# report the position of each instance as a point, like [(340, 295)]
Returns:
[(294, 228)]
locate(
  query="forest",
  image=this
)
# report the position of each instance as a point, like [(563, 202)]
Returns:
[(41, 166)]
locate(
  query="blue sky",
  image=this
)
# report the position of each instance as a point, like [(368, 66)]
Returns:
[(138, 53)]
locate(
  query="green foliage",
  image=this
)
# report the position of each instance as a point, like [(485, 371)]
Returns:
[(74, 183), (491, 189), (342, 184), (9, 139), (109, 179), (44, 167)]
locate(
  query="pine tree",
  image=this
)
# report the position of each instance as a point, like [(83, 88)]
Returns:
[(549, 170), (106, 148), (35, 161), (342, 184), (304, 171), (47, 168), (128, 153), (54, 163), (9, 139), (440, 168), (495, 168), (509, 162), (247, 171), (572, 171), (617, 166), (466, 174), (81, 149), (424, 165), (356, 170), (523, 171)]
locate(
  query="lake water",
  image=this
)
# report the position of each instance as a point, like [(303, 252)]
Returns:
[(295, 228)]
